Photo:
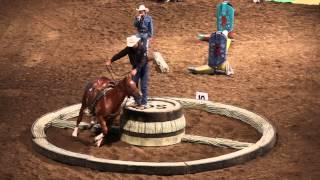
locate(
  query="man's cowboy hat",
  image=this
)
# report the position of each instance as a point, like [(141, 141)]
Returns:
[(132, 40), (142, 8)]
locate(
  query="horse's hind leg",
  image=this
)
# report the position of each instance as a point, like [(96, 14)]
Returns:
[(104, 127), (83, 107), (75, 131)]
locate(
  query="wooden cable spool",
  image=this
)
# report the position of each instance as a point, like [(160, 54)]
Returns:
[(162, 124)]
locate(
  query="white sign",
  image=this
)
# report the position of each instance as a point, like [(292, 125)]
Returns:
[(202, 96)]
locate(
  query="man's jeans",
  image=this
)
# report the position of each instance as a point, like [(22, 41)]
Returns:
[(143, 75), (145, 39)]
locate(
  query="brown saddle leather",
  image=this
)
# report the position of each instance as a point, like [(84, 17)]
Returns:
[(98, 89), (102, 83)]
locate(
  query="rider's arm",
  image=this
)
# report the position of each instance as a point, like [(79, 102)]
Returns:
[(120, 54)]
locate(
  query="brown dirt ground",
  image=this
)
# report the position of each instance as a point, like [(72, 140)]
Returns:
[(50, 49)]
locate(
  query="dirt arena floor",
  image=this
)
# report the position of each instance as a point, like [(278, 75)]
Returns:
[(50, 49)]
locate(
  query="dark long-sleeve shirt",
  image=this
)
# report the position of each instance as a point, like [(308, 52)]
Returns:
[(137, 57)]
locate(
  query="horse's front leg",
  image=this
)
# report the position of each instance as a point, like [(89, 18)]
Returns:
[(99, 139)]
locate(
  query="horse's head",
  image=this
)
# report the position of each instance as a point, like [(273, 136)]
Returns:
[(131, 87)]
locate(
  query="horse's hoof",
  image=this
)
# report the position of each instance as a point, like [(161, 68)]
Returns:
[(99, 137), (75, 132), (99, 142)]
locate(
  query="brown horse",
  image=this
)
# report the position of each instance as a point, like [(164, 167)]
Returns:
[(108, 105)]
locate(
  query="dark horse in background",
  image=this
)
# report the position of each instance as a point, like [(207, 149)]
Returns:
[(103, 97)]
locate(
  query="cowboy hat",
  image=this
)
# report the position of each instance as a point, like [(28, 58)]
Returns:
[(132, 40), (142, 8)]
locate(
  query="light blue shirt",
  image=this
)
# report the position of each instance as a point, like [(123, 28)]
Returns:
[(144, 25)]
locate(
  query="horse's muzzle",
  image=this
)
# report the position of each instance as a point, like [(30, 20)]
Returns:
[(137, 95)]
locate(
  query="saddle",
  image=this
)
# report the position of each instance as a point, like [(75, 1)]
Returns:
[(103, 83), (100, 87)]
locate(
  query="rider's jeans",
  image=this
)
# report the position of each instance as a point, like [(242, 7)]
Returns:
[(142, 76)]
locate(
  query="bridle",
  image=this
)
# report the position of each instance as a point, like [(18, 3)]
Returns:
[(111, 72)]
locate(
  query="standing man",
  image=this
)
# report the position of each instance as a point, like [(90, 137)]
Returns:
[(136, 50), (143, 23)]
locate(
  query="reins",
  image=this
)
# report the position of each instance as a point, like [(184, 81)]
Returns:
[(113, 74)]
